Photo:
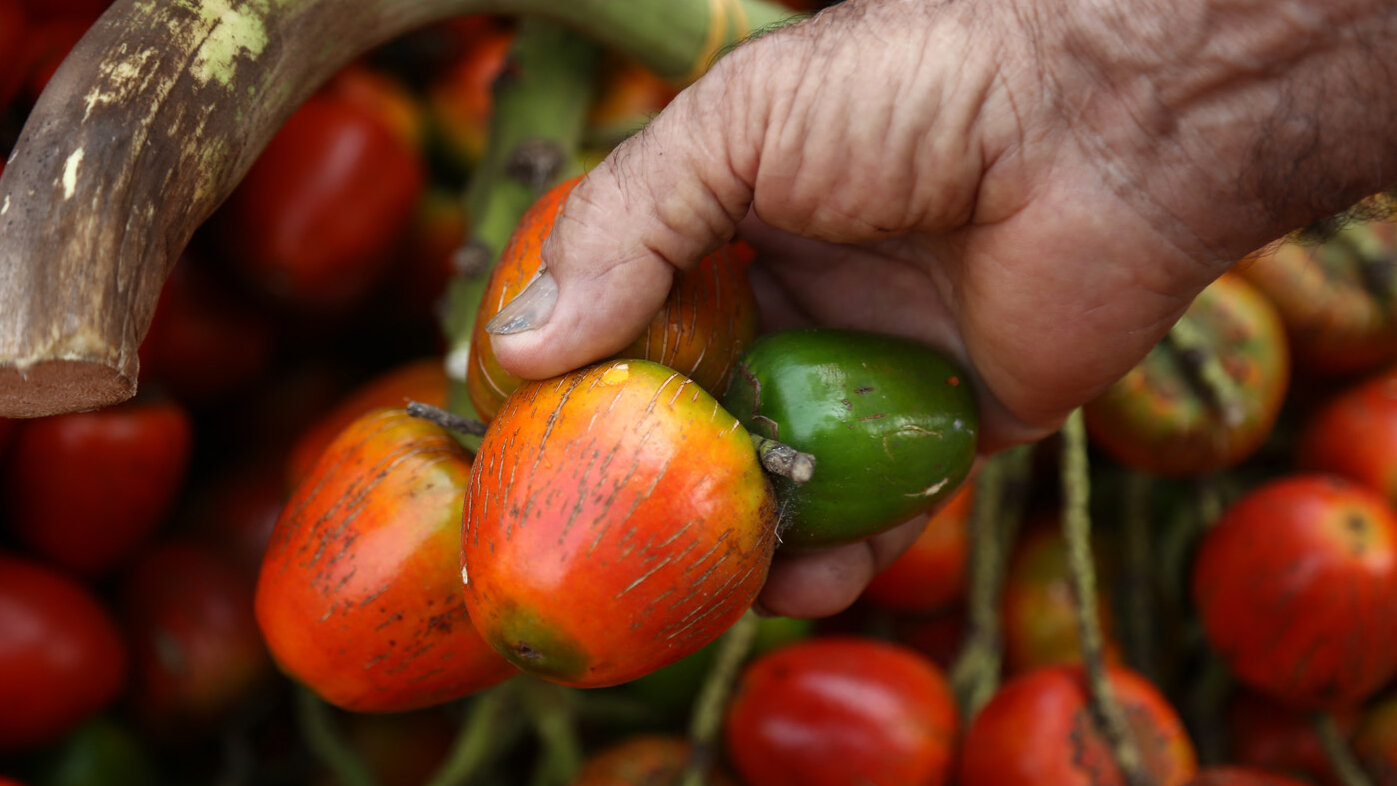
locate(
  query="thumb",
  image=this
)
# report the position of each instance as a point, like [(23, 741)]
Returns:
[(662, 200)]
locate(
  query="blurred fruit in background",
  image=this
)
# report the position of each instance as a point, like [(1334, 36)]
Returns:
[(85, 490), (62, 658)]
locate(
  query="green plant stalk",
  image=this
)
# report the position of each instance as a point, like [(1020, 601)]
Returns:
[(1141, 608), (539, 113), (994, 524), (483, 735), (157, 114), (1076, 528), (1340, 755), (712, 701), (552, 711), (318, 730)]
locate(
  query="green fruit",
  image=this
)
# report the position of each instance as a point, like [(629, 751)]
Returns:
[(890, 421)]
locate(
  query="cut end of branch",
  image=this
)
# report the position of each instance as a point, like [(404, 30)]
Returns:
[(783, 460), (55, 387)]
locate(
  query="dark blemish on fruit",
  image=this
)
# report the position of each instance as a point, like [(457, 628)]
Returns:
[(878, 416), (523, 650), (863, 390)]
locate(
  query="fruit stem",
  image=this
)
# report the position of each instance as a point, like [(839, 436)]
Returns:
[(1345, 764), (447, 420), (481, 736), (993, 528), (711, 703), (1076, 530), (536, 124), (1140, 617), (1203, 367), (783, 460), (552, 711), (324, 741)]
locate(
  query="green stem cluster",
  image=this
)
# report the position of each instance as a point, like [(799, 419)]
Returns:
[(993, 527), (1076, 524), (317, 727), (707, 719), (1345, 764)]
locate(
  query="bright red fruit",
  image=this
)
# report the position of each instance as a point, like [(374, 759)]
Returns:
[(360, 592), (61, 656), (195, 647), (316, 219), (1296, 586), (1354, 434), (1039, 729), (423, 379), (617, 520), (85, 490), (842, 710), (701, 330), (930, 575)]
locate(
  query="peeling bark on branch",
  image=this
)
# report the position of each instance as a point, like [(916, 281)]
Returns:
[(156, 116)]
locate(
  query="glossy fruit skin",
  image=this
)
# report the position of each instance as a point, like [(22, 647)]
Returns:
[(642, 760), (196, 652), (839, 710), (930, 575), (423, 379), (86, 490), (359, 596), (1155, 419), (315, 221), (1296, 586), (708, 319), (1334, 294), (617, 520), (1240, 776), (62, 659), (1354, 434), (1039, 729), (891, 422)]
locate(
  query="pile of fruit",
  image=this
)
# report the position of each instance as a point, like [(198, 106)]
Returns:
[(334, 541)]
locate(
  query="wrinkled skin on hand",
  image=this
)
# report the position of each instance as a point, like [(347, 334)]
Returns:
[(1037, 188)]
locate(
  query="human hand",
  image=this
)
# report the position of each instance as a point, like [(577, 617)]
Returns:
[(1037, 190)]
